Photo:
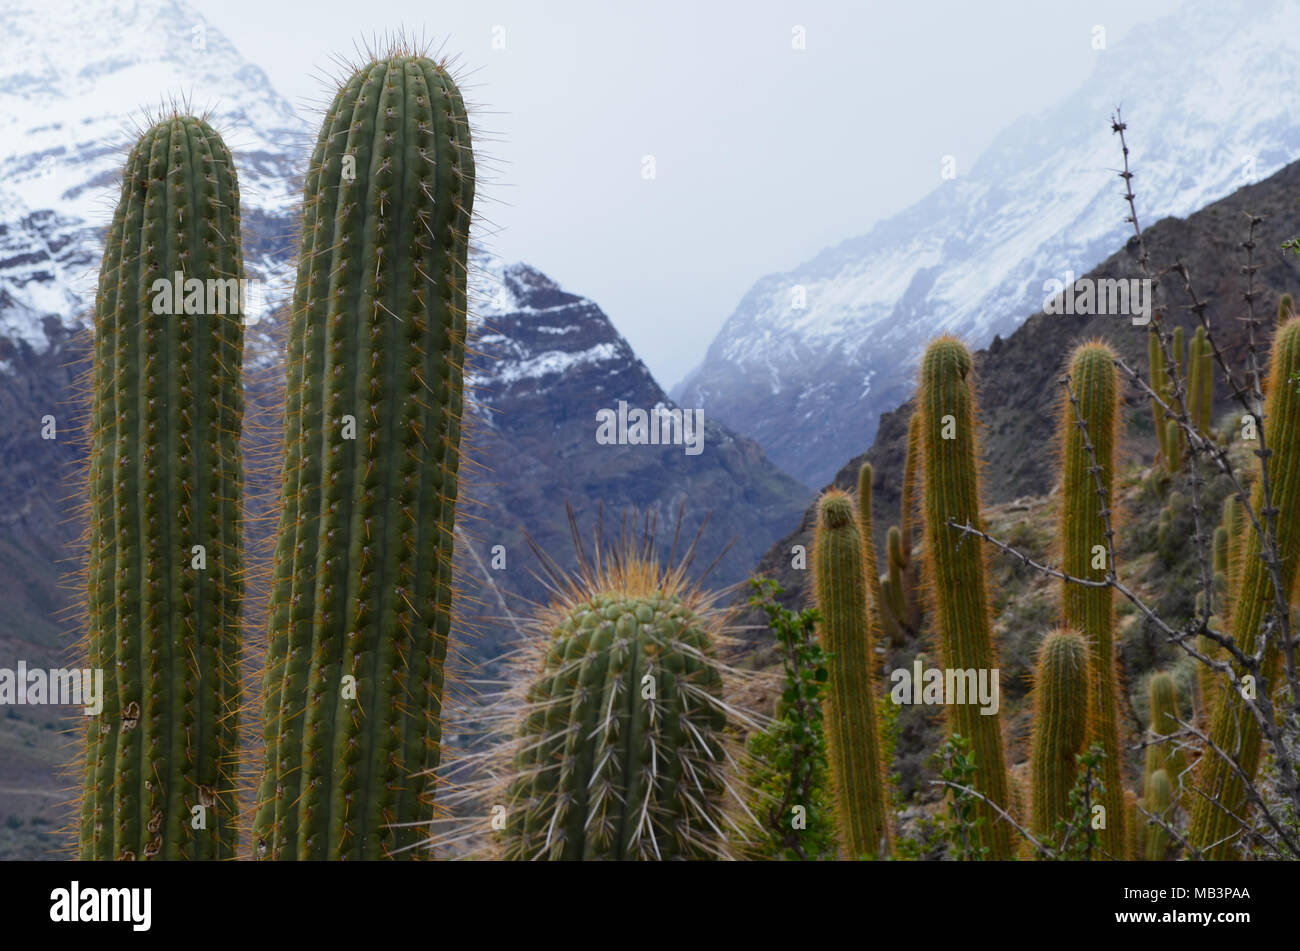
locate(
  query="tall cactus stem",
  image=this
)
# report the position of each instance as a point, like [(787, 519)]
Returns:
[(955, 566)]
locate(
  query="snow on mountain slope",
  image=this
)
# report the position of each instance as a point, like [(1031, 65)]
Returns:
[(77, 78), (1211, 94)]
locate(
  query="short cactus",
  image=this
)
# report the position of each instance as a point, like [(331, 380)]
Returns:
[(1158, 801), (1174, 439), (955, 566), (1061, 696), (1164, 754), (165, 576), (619, 750), (852, 740), (362, 583)]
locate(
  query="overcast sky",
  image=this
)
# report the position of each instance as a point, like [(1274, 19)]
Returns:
[(764, 154)]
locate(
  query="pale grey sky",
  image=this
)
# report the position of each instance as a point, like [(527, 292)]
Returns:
[(764, 154)]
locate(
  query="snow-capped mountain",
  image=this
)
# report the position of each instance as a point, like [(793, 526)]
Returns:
[(77, 80), (811, 357)]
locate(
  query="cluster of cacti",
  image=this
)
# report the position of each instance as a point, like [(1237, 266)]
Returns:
[(852, 740), (1088, 432), (955, 566), (619, 746), (1234, 728), (362, 586), (1194, 366), (164, 575), (1061, 704)]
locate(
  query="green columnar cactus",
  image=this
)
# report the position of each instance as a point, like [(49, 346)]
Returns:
[(1232, 523), (1220, 559), (362, 583), (1160, 384), (1089, 610), (165, 576), (898, 577), (1225, 563), (1285, 309), (1200, 382), (911, 568), (897, 636), (1178, 442), (907, 506), (1207, 682), (1164, 754), (1134, 826), (1158, 801), (619, 749), (877, 612), (1174, 439), (1164, 525), (1061, 696), (852, 741), (955, 566), (1234, 728)]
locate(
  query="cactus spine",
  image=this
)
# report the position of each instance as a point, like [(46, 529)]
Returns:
[(1234, 728), (1060, 726), (619, 751), (361, 590), (852, 742), (1085, 554), (955, 565), (165, 483)]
